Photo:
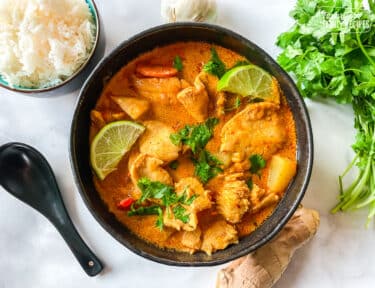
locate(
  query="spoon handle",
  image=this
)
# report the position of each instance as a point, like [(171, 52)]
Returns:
[(89, 262)]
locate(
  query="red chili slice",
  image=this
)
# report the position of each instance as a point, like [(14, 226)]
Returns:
[(125, 204)]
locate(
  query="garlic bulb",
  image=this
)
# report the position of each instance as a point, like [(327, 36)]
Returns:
[(188, 10)]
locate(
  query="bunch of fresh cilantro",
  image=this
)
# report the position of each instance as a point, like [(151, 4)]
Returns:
[(330, 51)]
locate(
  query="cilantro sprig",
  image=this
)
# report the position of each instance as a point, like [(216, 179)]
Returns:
[(196, 137), (215, 66), (177, 63), (257, 163), (207, 166), (330, 52), (168, 198)]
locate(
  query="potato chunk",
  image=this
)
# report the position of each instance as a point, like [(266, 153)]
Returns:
[(282, 170)]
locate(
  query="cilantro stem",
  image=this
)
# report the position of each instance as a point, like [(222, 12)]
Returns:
[(359, 42), (353, 193)]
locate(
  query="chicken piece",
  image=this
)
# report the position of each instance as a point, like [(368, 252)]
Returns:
[(256, 195), (155, 141), (258, 129), (192, 240), (134, 107), (195, 99), (220, 103), (142, 165), (218, 236), (261, 199), (267, 201), (191, 186), (233, 198), (171, 221), (159, 91)]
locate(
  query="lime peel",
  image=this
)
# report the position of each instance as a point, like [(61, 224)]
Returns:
[(250, 80), (110, 145)]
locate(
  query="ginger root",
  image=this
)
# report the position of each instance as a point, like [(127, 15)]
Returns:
[(262, 268)]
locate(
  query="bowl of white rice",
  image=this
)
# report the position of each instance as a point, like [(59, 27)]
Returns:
[(44, 44)]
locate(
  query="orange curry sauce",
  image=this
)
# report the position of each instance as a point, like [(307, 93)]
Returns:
[(165, 108)]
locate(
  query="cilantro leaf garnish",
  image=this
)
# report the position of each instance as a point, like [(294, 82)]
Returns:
[(180, 213), (195, 136), (215, 66), (150, 210), (250, 183), (257, 163), (168, 198), (207, 166), (177, 63)]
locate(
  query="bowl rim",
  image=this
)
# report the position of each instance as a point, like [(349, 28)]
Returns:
[(77, 72), (100, 219)]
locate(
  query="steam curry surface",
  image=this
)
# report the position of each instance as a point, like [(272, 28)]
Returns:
[(238, 198)]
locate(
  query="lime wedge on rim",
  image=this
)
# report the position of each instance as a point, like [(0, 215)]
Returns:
[(112, 142), (250, 80)]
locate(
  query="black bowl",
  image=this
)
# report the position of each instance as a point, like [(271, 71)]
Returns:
[(146, 41)]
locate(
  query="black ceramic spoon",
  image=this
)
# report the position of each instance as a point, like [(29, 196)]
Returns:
[(26, 174)]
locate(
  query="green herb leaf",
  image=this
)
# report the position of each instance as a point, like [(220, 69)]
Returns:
[(257, 162), (154, 189), (250, 183), (180, 213), (177, 63), (197, 136), (174, 164), (167, 195), (150, 210), (207, 166), (215, 66), (159, 221), (183, 199)]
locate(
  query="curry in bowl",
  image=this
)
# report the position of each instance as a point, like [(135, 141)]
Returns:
[(205, 163)]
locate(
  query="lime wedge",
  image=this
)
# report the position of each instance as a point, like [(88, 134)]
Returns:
[(250, 80), (111, 144)]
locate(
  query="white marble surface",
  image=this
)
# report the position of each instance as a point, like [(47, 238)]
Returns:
[(32, 254)]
